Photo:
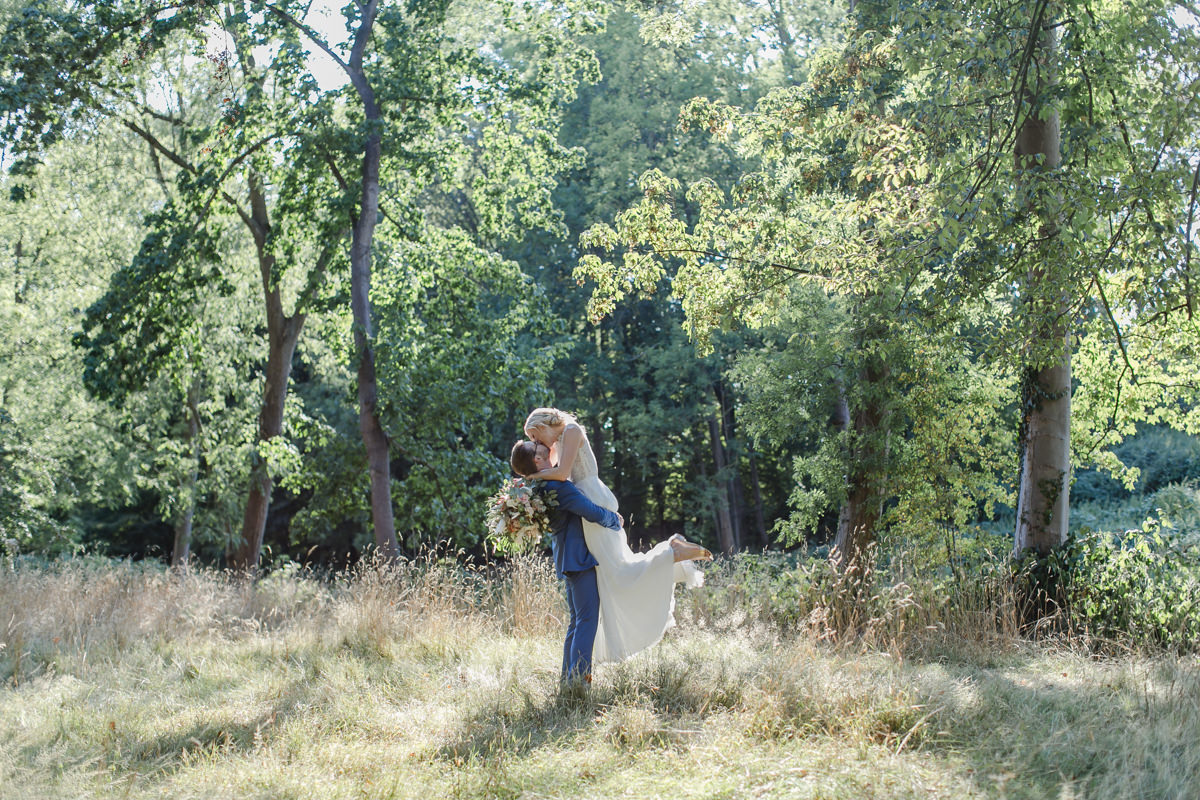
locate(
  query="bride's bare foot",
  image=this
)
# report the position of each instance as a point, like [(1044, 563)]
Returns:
[(689, 551)]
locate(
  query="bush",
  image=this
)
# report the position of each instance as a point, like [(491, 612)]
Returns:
[(885, 603), (1163, 456), (25, 488), (1178, 506), (1140, 587)]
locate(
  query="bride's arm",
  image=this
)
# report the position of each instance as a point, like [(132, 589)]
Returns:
[(572, 438)]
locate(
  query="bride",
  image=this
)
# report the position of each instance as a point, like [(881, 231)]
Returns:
[(637, 590)]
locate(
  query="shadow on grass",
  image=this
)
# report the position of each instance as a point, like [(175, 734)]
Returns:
[(1029, 727), (642, 704), (643, 701), (1035, 730), (518, 722), (217, 736)]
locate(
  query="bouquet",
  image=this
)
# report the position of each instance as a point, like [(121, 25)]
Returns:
[(518, 517)]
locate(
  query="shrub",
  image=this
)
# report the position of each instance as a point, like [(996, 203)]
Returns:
[(1162, 456), (1140, 587), (887, 603), (1178, 507)]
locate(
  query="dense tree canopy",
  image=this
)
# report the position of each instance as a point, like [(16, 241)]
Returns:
[(900, 178), (810, 274)]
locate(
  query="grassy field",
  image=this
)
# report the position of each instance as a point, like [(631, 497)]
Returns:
[(427, 681)]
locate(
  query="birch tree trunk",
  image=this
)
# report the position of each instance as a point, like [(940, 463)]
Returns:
[(1043, 495)]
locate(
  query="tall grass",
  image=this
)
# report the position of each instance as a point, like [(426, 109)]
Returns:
[(425, 679)]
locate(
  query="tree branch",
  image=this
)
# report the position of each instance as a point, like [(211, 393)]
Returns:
[(1018, 91), (158, 172), (318, 272), (171, 155), (742, 260), (311, 34), (145, 109), (260, 215), (337, 173), (1187, 248), (236, 162), (1116, 328), (175, 158), (364, 34)]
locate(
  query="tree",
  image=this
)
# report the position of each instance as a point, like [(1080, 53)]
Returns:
[(810, 213), (885, 182), (1045, 440), (634, 380), (425, 81), (364, 213), (70, 458), (133, 331), (1071, 185), (460, 363), (305, 162)]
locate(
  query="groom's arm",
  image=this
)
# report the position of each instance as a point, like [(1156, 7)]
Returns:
[(571, 499)]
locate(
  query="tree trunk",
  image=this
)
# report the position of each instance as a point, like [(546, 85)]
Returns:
[(856, 524), (616, 484), (181, 548), (725, 531), (282, 334), (374, 438), (733, 486), (660, 498), (1043, 509), (599, 441), (1043, 496), (760, 524), (787, 43), (856, 521), (280, 349)]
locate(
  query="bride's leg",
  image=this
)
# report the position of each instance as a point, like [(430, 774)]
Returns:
[(688, 551)]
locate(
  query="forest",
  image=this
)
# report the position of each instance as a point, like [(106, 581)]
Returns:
[(886, 302)]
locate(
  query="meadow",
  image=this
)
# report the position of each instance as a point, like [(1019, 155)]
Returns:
[(429, 680)]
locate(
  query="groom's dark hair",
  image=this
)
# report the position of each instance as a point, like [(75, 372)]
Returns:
[(522, 458)]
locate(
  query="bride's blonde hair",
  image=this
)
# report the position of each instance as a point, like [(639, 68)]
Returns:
[(550, 417)]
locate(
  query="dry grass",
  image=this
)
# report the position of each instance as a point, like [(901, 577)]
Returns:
[(429, 681)]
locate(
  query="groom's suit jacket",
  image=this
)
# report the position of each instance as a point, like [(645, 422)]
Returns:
[(570, 549)]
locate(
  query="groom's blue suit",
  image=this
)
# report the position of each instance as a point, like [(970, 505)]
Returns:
[(576, 565)]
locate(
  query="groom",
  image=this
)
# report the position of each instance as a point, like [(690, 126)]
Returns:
[(574, 564)]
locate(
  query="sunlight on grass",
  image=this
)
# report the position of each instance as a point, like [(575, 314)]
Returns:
[(428, 681)]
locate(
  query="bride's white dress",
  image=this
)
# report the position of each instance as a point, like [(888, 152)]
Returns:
[(637, 590)]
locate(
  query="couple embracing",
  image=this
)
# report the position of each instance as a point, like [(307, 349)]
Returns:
[(621, 602)]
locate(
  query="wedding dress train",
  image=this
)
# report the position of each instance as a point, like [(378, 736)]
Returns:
[(637, 590)]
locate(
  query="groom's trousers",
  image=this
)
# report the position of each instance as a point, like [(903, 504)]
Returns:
[(584, 600)]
